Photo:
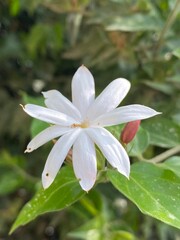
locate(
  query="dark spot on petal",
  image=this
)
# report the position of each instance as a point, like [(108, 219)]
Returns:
[(47, 174)]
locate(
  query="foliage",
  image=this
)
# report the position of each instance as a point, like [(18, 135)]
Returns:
[(41, 45)]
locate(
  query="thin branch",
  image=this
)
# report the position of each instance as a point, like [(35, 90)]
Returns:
[(163, 156)]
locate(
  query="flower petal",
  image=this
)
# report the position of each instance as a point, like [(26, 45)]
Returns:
[(46, 135), (48, 115), (57, 156), (111, 148), (84, 161), (125, 114), (83, 91), (56, 101), (110, 98)]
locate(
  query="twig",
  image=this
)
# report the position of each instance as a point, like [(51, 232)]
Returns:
[(161, 157)]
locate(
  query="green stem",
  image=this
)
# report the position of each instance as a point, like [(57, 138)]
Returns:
[(161, 157), (168, 24), (88, 205)]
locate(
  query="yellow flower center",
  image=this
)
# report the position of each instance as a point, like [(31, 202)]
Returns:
[(84, 124)]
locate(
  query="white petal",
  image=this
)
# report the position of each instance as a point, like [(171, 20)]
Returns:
[(83, 91), (55, 100), (111, 148), (110, 98), (47, 135), (84, 161), (125, 114), (48, 115), (57, 156)]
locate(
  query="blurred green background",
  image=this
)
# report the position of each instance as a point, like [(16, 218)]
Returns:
[(42, 43)]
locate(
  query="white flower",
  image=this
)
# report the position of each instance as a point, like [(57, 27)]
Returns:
[(81, 124)]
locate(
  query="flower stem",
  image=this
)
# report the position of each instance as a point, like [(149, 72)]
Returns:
[(161, 157)]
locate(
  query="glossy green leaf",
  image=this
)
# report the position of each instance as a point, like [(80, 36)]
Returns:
[(173, 164), (162, 132), (155, 191), (136, 22), (139, 144), (64, 191)]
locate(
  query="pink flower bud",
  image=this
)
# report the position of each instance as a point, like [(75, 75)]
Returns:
[(129, 131)]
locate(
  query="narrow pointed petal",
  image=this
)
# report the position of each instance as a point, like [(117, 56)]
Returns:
[(47, 135), (83, 91), (56, 101), (57, 156), (48, 115), (111, 148), (125, 114), (84, 161), (110, 98)]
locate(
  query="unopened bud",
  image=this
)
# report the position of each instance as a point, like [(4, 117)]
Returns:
[(129, 131)]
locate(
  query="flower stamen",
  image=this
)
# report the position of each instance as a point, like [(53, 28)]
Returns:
[(75, 125), (81, 125)]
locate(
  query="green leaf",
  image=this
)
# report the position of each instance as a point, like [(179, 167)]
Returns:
[(174, 79), (123, 235), (100, 159), (90, 230), (64, 191), (14, 7), (43, 37), (176, 52), (33, 100), (173, 164), (162, 87), (11, 172), (162, 132), (153, 189), (136, 22), (37, 126), (116, 130), (9, 181), (139, 143)]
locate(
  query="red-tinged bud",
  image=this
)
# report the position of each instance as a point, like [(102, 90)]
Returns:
[(129, 131)]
